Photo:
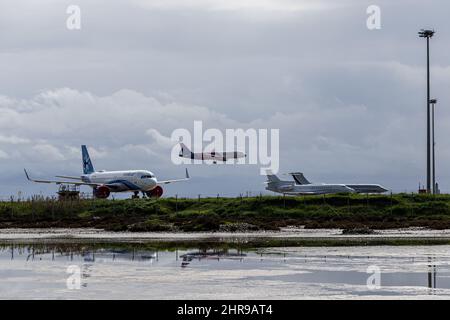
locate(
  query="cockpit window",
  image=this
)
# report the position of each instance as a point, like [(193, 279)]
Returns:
[(147, 176)]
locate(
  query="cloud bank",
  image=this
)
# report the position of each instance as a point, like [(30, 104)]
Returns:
[(349, 102)]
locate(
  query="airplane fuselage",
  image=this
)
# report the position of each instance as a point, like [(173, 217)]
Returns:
[(123, 181), (316, 188), (213, 155), (367, 188)]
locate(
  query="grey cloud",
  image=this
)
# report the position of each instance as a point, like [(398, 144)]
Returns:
[(350, 102)]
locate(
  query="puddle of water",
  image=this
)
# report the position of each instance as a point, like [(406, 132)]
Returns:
[(137, 271)]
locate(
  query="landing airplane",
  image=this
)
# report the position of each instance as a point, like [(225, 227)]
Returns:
[(215, 156), (104, 182), (301, 186)]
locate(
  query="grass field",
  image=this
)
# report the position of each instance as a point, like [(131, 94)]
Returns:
[(233, 214)]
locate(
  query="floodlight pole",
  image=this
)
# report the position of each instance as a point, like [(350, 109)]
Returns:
[(428, 34), (428, 116), (433, 103)]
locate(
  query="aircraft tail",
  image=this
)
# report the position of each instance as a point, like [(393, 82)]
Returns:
[(299, 178), (185, 152), (87, 163), (275, 184), (273, 178)]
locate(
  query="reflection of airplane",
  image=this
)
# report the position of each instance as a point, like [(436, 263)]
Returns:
[(215, 156), (119, 255), (105, 182), (214, 255), (302, 186)]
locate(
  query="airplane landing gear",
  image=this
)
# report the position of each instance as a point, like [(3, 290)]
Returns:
[(135, 195)]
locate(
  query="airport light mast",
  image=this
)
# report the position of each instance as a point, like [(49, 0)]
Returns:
[(433, 103), (428, 34)]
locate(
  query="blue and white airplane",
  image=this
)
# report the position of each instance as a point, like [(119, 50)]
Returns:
[(104, 182)]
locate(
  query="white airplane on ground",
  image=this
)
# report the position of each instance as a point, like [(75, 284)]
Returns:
[(302, 186), (215, 156), (104, 182), (358, 187)]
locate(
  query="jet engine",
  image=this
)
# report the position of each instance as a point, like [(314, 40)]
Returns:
[(102, 192), (156, 192)]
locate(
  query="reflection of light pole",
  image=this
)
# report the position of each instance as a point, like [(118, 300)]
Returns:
[(433, 102), (428, 34)]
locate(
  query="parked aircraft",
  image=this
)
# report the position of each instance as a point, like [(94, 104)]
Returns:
[(358, 187), (104, 182), (215, 156), (301, 185)]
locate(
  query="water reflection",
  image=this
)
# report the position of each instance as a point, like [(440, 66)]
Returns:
[(271, 272), (211, 254), (432, 271), (32, 252)]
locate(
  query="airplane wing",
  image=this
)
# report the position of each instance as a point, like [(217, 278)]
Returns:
[(176, 180), (69, 177), (78, 183)]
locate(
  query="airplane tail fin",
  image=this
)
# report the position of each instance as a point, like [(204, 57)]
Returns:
[(87, 163), (185, 152), (272, 178), (275, 184), (299, 178)]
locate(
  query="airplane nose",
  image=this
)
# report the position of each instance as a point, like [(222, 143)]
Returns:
[(151, 184)]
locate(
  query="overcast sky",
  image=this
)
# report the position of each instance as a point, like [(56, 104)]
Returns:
[(349, 102)]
